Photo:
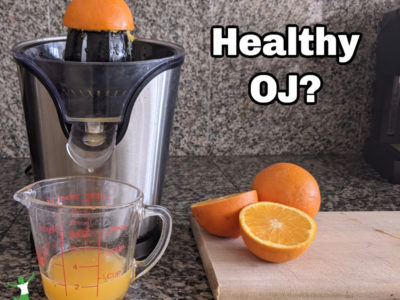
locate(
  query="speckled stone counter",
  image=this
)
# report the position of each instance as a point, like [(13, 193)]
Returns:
[(347, 183)]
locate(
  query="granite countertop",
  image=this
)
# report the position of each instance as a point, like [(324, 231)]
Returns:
[(346, 182)]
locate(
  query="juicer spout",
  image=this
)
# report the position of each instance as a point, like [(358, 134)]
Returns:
[(91, 144)]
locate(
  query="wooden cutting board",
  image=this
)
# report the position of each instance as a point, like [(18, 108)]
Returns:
[(354, 255)]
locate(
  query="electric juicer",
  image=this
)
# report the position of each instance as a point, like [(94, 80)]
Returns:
[(111, 119)]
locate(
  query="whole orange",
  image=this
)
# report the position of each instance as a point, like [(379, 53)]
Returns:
[(288, 184)]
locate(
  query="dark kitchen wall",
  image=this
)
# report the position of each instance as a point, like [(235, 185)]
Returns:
[(214, 114)]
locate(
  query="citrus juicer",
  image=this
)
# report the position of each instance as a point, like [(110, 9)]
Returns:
[(111, 119)]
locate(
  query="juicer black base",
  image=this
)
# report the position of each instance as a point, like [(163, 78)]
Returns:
[(385, 158), (146, 244)]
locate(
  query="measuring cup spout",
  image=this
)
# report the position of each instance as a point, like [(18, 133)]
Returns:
[(24, 196)]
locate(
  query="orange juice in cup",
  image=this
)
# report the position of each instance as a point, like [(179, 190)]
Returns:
[(87, 273)]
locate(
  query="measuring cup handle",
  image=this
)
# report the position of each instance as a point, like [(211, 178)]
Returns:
[(155, 210)]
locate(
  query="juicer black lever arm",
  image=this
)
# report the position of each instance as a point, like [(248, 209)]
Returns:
[(48, 84)]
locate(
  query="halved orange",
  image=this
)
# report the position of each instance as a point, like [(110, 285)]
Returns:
[(99, 15), (220, 216), (276, 232)]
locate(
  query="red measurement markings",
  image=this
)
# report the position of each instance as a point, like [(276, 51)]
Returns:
[(62, 253), (113, 229), (117, 249), (79, 233), (41, 258), (42, 253), (70, 197), (98, 263), (73, 248), (117, 228), (54, 200), (111, 275), (77, 222), (78, 286), (76, 267), (45, 250), (52, 229), (84, 233), (57, 283), (95, 196), (61, 199), (87, 218)]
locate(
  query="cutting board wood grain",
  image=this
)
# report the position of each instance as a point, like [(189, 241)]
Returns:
[(355, 255)]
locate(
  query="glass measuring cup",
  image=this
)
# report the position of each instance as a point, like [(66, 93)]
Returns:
[(85, 230)]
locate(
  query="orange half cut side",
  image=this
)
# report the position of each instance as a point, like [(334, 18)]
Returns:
[(276, 232)]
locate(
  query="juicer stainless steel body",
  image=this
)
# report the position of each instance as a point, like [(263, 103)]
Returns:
[(139, 157)]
